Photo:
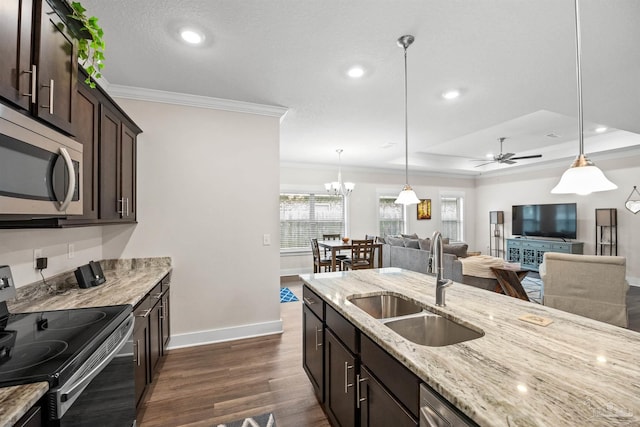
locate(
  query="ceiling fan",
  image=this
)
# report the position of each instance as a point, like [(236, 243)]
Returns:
[(507, 158)]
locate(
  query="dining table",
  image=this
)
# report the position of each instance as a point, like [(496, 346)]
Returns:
[(336, 246)]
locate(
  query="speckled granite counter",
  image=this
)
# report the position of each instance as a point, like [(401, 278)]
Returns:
[(128, 281), (573, 372)]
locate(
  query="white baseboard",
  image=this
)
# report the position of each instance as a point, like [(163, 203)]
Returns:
[(295, 271), (212, 336)]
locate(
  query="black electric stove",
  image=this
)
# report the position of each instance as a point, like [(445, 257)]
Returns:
[(85, 354), (51, 345)]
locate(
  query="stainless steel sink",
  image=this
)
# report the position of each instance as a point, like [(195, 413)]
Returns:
[(386, 306), (432, 330)]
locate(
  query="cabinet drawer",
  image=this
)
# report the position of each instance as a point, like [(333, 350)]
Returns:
[(537, 245), (400, 381), (314, 302), (166, 280), (559, 247), (343, 329)]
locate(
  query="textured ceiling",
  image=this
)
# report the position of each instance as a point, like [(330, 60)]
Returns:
[(513, 60)]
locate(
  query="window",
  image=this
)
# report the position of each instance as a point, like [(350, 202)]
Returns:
[(390, 215), (451, 208), (307, 216)]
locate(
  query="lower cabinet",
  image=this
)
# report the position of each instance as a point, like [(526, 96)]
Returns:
[(340, 380), (363, 384), (150, 335), (33, 418), (313, 350)]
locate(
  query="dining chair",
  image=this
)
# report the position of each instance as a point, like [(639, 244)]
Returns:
[(333, 237), (361, 255), (319, 262)]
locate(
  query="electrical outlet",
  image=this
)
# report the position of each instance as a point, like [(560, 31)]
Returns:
[(71, 250), (37, 253)]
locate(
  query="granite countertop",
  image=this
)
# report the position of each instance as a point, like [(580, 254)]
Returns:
[(575, 371), (128, 281)]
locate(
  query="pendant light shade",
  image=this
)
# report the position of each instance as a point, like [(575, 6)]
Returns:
[(407, 196), (582, 177)]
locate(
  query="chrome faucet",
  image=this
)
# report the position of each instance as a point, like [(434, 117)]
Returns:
[(436, 262)]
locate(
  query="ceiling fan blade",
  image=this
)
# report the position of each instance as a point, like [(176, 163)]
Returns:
[(507, 156), (508, 161), (534, 156), (483, 164)]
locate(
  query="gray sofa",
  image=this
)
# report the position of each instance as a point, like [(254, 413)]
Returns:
[(418, 260)]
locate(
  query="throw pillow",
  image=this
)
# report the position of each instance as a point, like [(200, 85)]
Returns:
[(410, 236), (445, 240), (411, 243), (380, 240), (395, 241), (459, 250), (425, 244)]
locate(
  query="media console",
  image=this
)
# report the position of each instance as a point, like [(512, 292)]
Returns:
[(530, 252)]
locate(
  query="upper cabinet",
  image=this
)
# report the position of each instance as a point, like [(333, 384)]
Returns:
[(38, 72)]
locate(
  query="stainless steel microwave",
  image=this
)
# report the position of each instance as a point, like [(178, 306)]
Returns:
[(40, 169)]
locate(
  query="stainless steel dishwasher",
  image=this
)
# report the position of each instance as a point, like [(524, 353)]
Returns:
[(437, 412)]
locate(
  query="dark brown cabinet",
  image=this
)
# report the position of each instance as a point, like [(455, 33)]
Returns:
[(313, 350), (33, 418), (87, 121), (56, 54), (150, 335), (340, 381), (16, 17), (39, 60), (378, 408), (363, 384)]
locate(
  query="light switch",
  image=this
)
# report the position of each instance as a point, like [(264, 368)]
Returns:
[(266, 239)]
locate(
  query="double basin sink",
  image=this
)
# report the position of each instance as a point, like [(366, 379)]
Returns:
[(413, 321)]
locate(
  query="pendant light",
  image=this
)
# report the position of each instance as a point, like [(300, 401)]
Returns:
[(407, 196), (339, 188), (582, 177)]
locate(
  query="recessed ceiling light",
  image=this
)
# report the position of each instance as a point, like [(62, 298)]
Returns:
[(601, 129), (451, 94), (191, 36), (355, 72)]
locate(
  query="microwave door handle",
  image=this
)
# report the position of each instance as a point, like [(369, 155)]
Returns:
[(72, 179)]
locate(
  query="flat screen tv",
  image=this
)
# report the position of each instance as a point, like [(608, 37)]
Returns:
[(553, 220)]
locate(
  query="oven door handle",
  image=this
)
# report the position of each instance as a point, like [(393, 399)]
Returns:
[(79, 386), (71, 174)]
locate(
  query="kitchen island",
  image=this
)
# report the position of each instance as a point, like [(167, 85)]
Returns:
[(574, 371), (128, 282)]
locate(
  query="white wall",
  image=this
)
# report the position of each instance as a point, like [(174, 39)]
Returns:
[(17, 246), (533, 187), (363, 202), (207, 193)]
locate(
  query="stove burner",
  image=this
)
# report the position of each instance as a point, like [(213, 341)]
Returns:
[(76, 319), (32, 354)]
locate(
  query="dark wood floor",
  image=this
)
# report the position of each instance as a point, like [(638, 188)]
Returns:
[(219, 383)]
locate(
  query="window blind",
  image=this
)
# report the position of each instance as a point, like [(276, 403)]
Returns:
[(390, 216), (306, 216)]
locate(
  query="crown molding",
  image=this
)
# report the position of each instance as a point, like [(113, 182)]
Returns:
[(152, 95)]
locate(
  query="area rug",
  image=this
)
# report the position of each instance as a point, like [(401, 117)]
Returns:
[(287, 296), (263, 420), (533, 287)]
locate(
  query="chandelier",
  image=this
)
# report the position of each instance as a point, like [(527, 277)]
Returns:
[(407, 196), (338, 187), (583, 177)]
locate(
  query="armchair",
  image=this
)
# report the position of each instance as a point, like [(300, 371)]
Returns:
[(587, 285)]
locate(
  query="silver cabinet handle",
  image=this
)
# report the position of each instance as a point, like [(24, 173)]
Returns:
[(127, 207), (318, 344), (145, 314), (51, 87), (120, 207), (72, 179), (309, 301), (346, 377), (136, 359), (358, 392), (158, 295), (34, 81)]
